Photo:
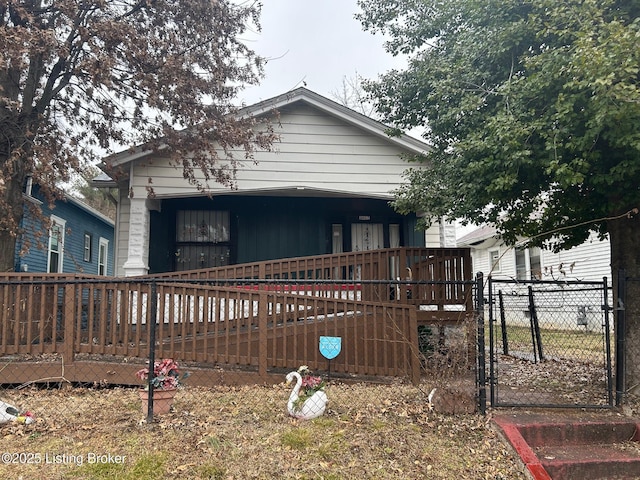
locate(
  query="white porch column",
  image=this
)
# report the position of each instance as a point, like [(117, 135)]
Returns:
[(138, 247), (441, 234), (447, 233)]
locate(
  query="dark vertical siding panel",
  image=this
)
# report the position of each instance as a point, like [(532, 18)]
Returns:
[(269, 227), (413, 237), (160, 243)]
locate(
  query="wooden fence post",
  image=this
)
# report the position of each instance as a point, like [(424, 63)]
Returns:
[(414, 350), (401, 288), (68, 354)]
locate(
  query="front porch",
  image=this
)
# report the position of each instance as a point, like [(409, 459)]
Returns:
[(259, 318)]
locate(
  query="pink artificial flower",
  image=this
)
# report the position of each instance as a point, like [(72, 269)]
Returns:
[(165, 374)]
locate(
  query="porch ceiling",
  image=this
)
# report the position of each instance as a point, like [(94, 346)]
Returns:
[(298, 191)]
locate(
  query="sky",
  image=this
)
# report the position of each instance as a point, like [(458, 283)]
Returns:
[(317, 42)]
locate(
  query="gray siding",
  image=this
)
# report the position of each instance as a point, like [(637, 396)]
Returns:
[(315, 151), (122, 238)]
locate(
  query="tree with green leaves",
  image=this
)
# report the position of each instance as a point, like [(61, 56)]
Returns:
[(80, 76), (532, 108)]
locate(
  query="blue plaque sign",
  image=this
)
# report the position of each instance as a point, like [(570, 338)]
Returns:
[(330, 347)]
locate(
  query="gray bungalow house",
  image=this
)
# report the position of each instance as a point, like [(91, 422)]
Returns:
[(324, 188)]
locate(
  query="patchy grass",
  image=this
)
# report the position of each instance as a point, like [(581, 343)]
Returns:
[(578, 345), (368, 431)]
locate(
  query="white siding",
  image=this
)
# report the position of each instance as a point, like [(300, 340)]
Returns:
[(122, 239), (480, 258), (316, 151), (591, 261), (447, 234)]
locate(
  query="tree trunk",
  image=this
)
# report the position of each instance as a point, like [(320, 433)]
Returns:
[(625, 254), (12, 207), (7, 251)]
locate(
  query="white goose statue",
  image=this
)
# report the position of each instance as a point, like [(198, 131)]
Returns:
[(313, 407), (9, 413)]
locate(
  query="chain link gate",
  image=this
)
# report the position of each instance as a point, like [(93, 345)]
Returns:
[(549, 344)]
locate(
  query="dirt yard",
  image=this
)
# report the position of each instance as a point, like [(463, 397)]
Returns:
[(368, 432)]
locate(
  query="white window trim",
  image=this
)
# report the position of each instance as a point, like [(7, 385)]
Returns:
[(494, 265), (28, 186), (57, 221), (103, 242)]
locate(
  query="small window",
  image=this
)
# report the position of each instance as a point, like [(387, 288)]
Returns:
[(87, 247), (522, 269), (536, 266), (56, 245), (494, 261), (28, 188), (103, 256), (336, 238)]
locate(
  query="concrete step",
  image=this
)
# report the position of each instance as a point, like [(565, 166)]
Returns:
[(591, 461), (581, 432), (574, 448)]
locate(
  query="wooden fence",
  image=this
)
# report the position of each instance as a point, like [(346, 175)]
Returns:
[(259, 330), (428, 276), (269, 320)]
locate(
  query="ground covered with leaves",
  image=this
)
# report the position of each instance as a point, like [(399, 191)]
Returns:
[(367, 432)]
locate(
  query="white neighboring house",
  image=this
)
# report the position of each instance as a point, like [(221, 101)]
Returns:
[(590, 261)]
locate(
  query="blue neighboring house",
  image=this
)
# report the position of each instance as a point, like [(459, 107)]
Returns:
[(80, 240)]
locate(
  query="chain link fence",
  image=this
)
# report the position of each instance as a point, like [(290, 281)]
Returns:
[(551, 344)]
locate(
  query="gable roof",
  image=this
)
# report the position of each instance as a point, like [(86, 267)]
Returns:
[(478, 236), (337, 110), (90, 210), (34, 195), (289, 98)]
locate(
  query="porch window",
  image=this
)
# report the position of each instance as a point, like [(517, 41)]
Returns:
[(394, 235), (336, 238), (56, 245), (202, 239)]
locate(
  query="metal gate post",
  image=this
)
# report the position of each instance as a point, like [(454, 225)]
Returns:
[(536, 338), (481, 365), (152, 319), (607, 340), (503, 324), (620, 327)]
